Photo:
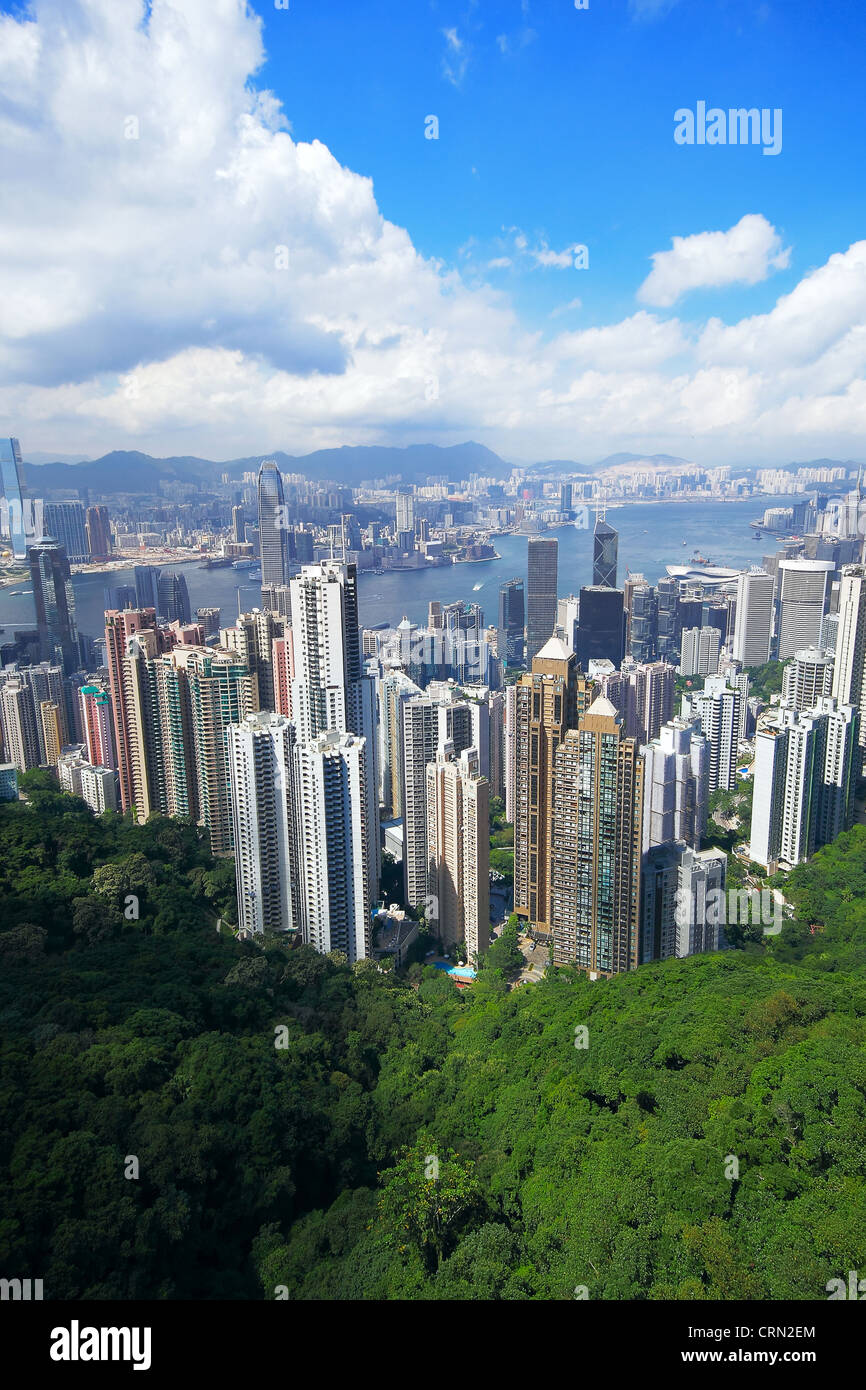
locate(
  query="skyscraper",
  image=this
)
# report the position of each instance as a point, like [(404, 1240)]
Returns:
[(429, 722), (807, 676), (803, 589), (849, 678), (253, 637), (96, 722), (541, 580), (601, 625), (458, 848), (699, 651), (273, 534), (595, 844), (65, 521), (261, 753), (130, 637), (330, 690), (804, 777), (405, 522), (54, 602), (334, 897), (754, 623), (173, 597), (239, 530), (98, 531), (717, 707), (509, 632), (21, 744), (146, 586), (13, 512), (394, 690), (605, 543), (682, 890), (549, 701), (676, 785)]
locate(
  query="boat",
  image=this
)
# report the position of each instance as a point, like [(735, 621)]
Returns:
[(242, 564)]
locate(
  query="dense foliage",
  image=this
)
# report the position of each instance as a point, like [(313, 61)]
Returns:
[(302, 1129)]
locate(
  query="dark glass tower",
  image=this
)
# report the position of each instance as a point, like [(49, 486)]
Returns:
[(605, 542), (54, 603), (541, 578), (10, 486), (173, 598), (601, 625), (273, 534), (512, 617)]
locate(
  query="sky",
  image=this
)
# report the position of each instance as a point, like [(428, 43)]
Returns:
[(227, 229)]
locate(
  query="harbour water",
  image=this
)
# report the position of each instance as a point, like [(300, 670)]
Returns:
[(651, 536)]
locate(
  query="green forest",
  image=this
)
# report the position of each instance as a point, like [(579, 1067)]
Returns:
[(188, 1116)]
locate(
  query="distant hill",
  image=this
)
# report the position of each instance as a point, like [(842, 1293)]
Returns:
[(134, 472), (658, 460)]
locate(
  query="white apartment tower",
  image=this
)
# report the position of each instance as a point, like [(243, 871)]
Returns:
[(754, 622), (803, 589), (330, 691), (333, 851), (849, 685), (717, 707), (676, 781), (261, 766), (807, 677)]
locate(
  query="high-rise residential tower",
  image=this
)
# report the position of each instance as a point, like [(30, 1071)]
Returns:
[(261, 755), (458, 850), (849, 676), (334, 897), (595, 844), (548, 702)]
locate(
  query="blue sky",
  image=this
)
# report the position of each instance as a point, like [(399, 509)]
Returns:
[(568, 132), (223, 231)]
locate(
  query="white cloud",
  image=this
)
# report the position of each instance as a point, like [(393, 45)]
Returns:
[(743, 255), (456, 57), (142, 306)]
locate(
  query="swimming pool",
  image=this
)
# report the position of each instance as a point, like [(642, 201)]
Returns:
[(462, 972)]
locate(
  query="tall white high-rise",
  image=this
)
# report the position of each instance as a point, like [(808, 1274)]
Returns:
[(334, 896), (261, 767), (849, 683), (754, 621), (394, 689), (429, 722), (699, 651), (330, 691), (803, 589), (676, 781), (717, 707), (458, 841), (808, 676), (804, 777)]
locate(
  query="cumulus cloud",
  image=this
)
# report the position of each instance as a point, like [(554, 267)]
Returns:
[(179, 274), (743, 255)]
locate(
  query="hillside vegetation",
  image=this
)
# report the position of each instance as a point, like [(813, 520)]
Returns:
[(303, 1129)]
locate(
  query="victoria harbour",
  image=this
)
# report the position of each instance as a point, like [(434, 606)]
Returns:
[(652, 535)]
